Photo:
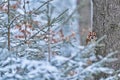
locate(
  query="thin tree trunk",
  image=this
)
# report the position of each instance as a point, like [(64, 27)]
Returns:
[(49, 32), (8, 25), (25, 20)]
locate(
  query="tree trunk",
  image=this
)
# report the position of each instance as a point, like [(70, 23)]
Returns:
[(106, 21), (84, 19)]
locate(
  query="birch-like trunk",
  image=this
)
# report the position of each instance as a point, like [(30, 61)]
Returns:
[(84, 19)]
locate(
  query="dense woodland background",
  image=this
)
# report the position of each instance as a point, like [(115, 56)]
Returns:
[(46, 40)]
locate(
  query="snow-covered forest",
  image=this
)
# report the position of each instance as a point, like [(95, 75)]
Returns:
[(40, 40)]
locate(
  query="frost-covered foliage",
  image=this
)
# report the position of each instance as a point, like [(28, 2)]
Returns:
[(42, 30), (81, 65), (23, 69), (39, 27)]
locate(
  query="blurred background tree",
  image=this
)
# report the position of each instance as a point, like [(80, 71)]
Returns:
[(84, 19)]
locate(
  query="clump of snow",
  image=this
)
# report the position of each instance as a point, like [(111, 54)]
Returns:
[(17, 68)]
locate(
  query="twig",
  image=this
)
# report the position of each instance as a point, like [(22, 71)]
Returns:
[(49, 33), (66, 71), (100, 62), (24, 6), (14, 19), (41, 6), (8, 25), (73, 12), (85, 50)]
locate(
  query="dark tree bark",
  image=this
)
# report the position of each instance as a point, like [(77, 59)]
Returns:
[(106, 21)]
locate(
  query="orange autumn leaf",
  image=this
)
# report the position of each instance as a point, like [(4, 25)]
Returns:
[(25, 31), (18, 27), (20, 36), (61, 33), (14, 6)]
